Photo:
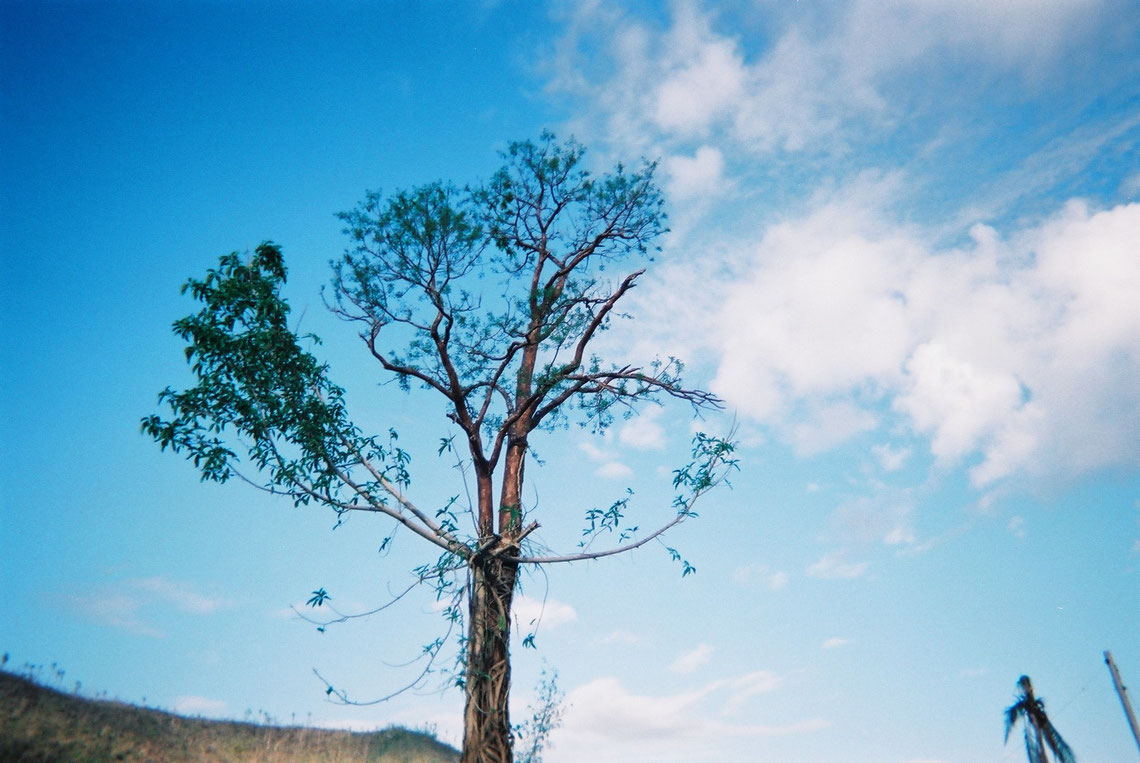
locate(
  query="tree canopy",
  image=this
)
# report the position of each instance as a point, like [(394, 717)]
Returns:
[(491, 296)]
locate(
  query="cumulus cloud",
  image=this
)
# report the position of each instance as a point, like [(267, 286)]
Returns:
[(701, 175), (834, 643), (644, 431), (705, 75), (1018, 351), (531, 613), (604, 715)]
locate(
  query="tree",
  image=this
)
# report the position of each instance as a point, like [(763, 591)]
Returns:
[(1039, 730), (539, 239)]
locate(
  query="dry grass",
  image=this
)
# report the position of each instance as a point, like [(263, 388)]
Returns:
[(38, 723)]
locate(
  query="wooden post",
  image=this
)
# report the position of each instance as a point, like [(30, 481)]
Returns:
[(1122, 692)]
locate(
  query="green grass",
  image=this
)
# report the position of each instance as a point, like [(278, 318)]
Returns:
[(38, 723)]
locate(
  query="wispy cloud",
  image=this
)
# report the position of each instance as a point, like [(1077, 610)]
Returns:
[(619, 637), (834, 643), (817, 87), (691, 660), (190, 704), (111, 608), (181, 594), (833, 566), (122, 604), (774, 580)]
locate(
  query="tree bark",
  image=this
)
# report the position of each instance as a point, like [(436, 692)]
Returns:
[(487, 724)]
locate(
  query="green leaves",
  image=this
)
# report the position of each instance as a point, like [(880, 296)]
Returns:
[(712, 457), (609, 520), (259, 390), (319, 597)]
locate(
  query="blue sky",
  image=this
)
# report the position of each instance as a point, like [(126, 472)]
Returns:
[(903, 250)]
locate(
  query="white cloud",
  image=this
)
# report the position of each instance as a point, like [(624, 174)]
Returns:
[(706, 80), (890, 459), (619, 637), (817, 83), (958, 402), (834, 643), (614, 470), (190, 704), (699, 176), (348, 724), (181, 594), (607, 722), (111, 608), (1016, 351), (688, 662), (749, 685), (829, 424), (120, 605), (774, 580), (643, 431), (611, 467), (1016, 526), (531, 613), (817, 310), (901, 535), (1020, 349), (1130, 187), (867, 520), (833, 567), (777, 580)]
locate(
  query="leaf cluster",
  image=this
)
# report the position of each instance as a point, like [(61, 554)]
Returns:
[(258, 383)]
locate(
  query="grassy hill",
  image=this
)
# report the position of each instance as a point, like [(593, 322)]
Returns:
[(38, 723)]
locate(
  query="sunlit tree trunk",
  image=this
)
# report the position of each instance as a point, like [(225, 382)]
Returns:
[(487, 724)]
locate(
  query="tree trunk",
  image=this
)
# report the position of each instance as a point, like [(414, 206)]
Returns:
[(487, 723)]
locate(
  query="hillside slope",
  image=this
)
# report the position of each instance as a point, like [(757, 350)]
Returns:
[(38, 723)]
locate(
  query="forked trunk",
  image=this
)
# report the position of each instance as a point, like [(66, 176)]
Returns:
[(487, 723), (486, 719)]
